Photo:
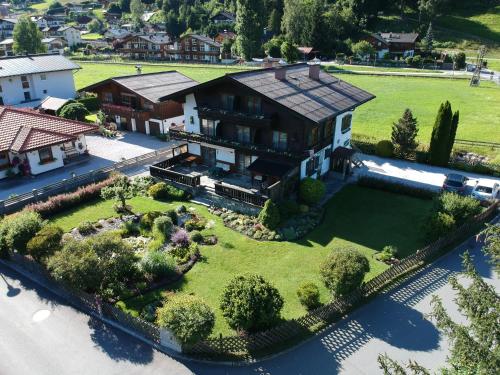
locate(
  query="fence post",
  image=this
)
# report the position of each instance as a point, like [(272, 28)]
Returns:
[(35, 194), (65, 184)]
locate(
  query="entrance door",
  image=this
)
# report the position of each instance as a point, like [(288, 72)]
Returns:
[(209, 156), (123, 123)]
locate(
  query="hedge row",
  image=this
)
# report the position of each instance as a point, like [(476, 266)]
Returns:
[(61, 202), (395, 187)]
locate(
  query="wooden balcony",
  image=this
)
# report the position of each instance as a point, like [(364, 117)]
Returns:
[(241, 118)]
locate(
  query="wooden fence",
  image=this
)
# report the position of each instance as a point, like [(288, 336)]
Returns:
[(238, 194), (245, 347)]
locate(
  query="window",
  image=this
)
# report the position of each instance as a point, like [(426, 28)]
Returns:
[(126, 100), (43, 77), (4, 160), (45, 155), (329, 129), (254, 104), (279, 140), (346, 123), (243, 134), (328, 152), (312, 165), (27, 96), (228, 102), (313, 137), (244, 162), (208, 127), (24, 82), (44, 91), (107, 97)]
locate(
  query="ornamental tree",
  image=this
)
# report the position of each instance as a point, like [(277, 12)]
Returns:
[(120, 191), (404, 134), (440, 138), (74, 111), (270, 215), (250, 303), (27, 37)]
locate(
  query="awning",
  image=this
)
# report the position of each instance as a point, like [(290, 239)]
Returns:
[(53, 104), (269, 168)]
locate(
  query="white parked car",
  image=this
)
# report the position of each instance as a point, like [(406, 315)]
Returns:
[(486, 190)]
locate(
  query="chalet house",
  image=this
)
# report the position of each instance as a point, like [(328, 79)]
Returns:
[(54, 44), (71, 35), (132, 102), (47, 21), (7, 27), (151, 47), (32, 143), (395, 43), (224, 17), (273, 125), (26, 80), (199, 48), (83, 21), (6, 47)]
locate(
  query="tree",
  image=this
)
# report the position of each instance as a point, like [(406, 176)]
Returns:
[(269, 216), (453, 131), (27, 37), (45, 243), (249, 26), (404, 134), (95, 26), (125, 6), (250, 303), (189, 318), (428, 41), (120, 191), (473, 344), (74, 111), (311, 190), (290, 52), (428, 9), (363, 49), (18, 229), (344, 270), (459, 60), (137, 10), (492, 244), (440, 137)]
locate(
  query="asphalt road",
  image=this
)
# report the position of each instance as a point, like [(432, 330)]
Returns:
[(40, 334)]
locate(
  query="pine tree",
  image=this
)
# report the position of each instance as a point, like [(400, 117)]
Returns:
[(249, 27), (27, 37), (438, 151), (428, 41), (453, 131), (404, 134)]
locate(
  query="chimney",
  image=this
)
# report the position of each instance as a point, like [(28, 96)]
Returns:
[(314, 70), (280, 74)]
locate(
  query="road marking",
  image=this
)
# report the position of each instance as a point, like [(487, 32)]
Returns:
[(40, 315)]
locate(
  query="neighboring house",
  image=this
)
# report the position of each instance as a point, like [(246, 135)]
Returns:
[(54, 45), (132, 102), (46, 21), (224, 17), (71, 35), (395, 43), (222, 36), (33, 143), (26, 80), (6, 47), (145, 47), (83, 21), (196, 47), (273, 125), (7, 27)]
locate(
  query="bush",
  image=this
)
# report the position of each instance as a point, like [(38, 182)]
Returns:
[(189, 318), (181, 209), (308, 294), (288, 208), (387, 253), (196, 237), (311, 191), (162, 227), (85, 228), (183, 254), (45, 243), (385, 149), (195, 224), (74, 111), (250, 303), (129, 229), (395, 187), (344, 270), (158, 264), (269, 216), (163, 191), (181, 238), (61, 202), (20, 228), (459, 207), (172, 214), (439, 225), (91, 103), (147, 220)]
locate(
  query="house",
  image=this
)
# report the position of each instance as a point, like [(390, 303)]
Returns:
[(196, 47), (26, 80), (224, 17), (132, 102), (7, 27), (83, 21), (152, 47), (46, 21), (395, 43), (71, 35), (6, 47), (54, 44), (273, 125), (223, 35), (33, 143)]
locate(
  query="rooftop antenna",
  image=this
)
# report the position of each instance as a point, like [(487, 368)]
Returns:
[(476, 76)]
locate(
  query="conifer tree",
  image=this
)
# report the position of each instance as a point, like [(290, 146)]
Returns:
[(438, 151), (250, 19), (404, 134), (453, 131)]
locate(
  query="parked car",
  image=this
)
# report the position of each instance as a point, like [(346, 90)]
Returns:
[(486, 190), (455, 183)]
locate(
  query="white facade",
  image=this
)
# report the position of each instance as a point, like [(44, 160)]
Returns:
[(72, 36), (39, 86)]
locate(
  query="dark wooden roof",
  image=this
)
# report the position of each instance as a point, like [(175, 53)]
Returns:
[(269, 167)]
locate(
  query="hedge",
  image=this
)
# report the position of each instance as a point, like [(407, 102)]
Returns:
[(395, 187)]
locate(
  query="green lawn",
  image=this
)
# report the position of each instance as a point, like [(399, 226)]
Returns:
[(363, 218), (91, 36)]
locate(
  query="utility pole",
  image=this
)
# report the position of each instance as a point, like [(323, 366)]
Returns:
[(476, 76)]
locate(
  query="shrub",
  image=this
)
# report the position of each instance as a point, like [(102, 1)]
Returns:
[(308, 294), (181, 209), (196, 237), (162, 227), (387, 253), (344, 270), (120, 191), (4, 247), (288, 208), (147, 220), (459, 207), (62, 202), (129, 229), (74, 111), (250, 303), (20, 228), (385, 149), (195, 224), (161, 191), (158, 264), (45, 243), (181, 238), (91, 103), (172, 214), (439, 225), (140, 185), (183, 254), (269, 216), (311, 191), (85, 228), (395, 187), (189, 318)]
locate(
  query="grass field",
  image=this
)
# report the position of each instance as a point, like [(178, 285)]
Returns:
[(362, 218), (91, 36)]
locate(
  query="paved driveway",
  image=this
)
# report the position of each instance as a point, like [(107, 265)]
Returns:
[(103, 152), (65, 341)]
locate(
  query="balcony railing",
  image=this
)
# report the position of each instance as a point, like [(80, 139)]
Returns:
[(167, 174), (241, 117), (252, 148), (241, 195)]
